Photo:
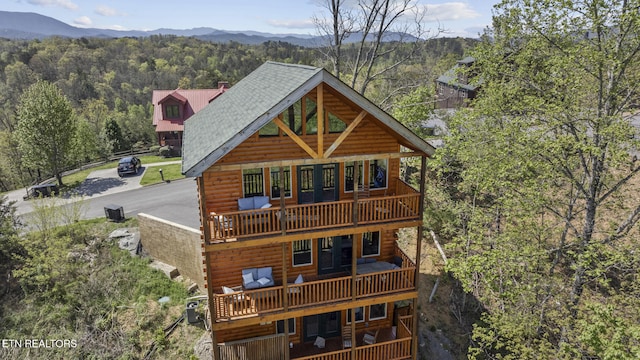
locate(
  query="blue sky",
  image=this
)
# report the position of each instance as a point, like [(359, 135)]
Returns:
[(461, 18)]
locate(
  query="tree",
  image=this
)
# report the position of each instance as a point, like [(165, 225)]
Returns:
[(544, 184), (46, 128), (374, 22)]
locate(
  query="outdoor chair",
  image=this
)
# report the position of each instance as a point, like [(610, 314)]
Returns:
[(370, 338), (346, 337)]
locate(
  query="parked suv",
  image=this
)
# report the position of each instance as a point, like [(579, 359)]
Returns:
[(128, 165), (44, 190)]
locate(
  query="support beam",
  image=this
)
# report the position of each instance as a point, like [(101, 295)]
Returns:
[(314, 161), (344, 134), (295, 138), (320, 95)]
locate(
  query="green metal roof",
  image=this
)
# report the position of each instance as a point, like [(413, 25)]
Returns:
[(253, 102)]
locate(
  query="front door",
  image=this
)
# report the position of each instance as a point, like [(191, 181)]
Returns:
[(334, 254), (317, 183), (326, 325)]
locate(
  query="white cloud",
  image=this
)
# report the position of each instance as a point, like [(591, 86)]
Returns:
[(61, 3), (83, 21), (292, 24), (108, 11), (450, 11)]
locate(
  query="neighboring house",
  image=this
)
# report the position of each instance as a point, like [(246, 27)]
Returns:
[(292, 255), (171, 108), (453, 88)]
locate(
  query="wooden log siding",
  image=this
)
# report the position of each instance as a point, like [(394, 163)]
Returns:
[(262, 222)]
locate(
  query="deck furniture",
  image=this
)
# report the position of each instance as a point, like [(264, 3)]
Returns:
[(255, 278), (370, 338), (346, 337)]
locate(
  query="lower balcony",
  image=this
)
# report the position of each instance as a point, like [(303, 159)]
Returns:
[(249, 303), (390, 343)]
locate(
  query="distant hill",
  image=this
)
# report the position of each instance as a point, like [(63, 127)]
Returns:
[(29, 26)]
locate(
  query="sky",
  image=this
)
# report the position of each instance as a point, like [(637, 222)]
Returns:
[(460, 18)]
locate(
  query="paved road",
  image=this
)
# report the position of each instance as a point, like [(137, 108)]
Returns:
[(176, 201)]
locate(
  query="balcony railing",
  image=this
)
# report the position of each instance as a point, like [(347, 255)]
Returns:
[(269, 300), (404, 205)]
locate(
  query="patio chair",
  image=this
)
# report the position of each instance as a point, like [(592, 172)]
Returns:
[(370, 338), (346, 337)]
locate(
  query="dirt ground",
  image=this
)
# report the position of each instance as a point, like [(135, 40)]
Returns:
[(441, 335)]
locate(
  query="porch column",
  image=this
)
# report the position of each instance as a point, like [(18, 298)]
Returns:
[(356, 183), (423, 172), (283, 214)]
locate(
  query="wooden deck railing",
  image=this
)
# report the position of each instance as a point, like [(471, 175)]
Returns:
[(404, 205), (394, 349), (269, 300), (259, 348)]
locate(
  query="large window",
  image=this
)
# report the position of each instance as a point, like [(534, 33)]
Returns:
[(377, 311), (359, 315), (378, 174), (348, 175), (280, 326), (275, 182), (171, 111), (371, 244), (252, 182), (302, 253)]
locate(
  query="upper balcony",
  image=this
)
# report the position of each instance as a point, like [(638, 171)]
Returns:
[(402, 205)]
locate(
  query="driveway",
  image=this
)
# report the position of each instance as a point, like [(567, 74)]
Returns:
[(98, 183)]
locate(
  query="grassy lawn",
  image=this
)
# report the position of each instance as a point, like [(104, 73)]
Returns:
[(75, 179), (170, 172)]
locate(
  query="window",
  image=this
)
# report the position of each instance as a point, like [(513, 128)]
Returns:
[(252, 182), (378, 311), (271, 129), (275, 182), (378, 174), (292, 326), (301, 252), (312, 116), (335, 124), (292, 117), (171, 111), (359, 315), (371, 244), (348, 175)]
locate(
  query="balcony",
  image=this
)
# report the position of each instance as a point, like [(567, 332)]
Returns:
[(258, 302), (390, 346), (236, 225)]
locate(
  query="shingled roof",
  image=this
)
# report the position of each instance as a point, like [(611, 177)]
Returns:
[(253, 102)]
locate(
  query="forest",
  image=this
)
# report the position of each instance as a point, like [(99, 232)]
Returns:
[(534, 195), (109, 83)]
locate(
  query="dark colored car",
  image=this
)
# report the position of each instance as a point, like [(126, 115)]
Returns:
[(128, 165), (44, 190)]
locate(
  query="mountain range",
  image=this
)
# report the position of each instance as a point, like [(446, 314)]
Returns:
[(29, 26)]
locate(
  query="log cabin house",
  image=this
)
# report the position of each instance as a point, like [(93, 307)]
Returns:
[(300, 201), (454, 88)]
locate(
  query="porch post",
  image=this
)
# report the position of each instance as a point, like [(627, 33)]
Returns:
[(356, 183), (283, 213), (423, 172)]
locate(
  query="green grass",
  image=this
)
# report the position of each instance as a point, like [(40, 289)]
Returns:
[(169, 171), (73, 180)]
